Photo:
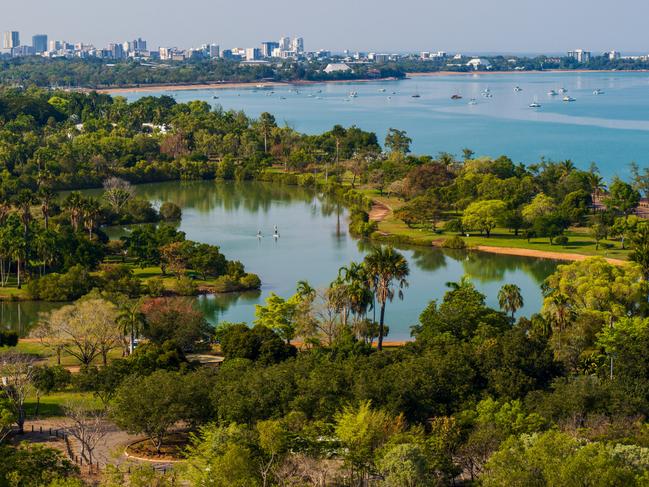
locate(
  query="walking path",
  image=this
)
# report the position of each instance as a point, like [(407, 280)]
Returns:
[(542, 254)]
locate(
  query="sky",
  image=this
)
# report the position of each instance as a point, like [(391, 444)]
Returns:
[(472, 26)]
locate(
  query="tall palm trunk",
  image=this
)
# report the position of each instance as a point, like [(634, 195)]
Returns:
[(379, 346)]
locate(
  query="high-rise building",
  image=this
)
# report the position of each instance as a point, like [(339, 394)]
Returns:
[(285, 44), (11, 39), (267, 48), (580, 55), (614, 55), (253, 54), (39, 43), (297, 44), (116, 51), (214, 51)]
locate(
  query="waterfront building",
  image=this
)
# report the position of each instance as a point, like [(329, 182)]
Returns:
[(268, 47), (479, 63), (337, 68), (39, 43), (253, 54), (10, 39), (614, 55), (297, 45), (579, 55)]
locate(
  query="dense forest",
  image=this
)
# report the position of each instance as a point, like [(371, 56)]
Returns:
[(309, 394)]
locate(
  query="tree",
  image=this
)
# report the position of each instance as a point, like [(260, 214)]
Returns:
[(17, 372), (132, 321), (47, 195), (386, 267), (362, 431), (175, 319), (622, 198), (88, 426), (170, 211), (91, 211), (640, 248), (85, 329), (599, 232), (35, 464), (510, 298), (542, 205), (74, 204), (398, 141), (117, 193), (266, 124), (483, 215), (278, 314), (151, 405)]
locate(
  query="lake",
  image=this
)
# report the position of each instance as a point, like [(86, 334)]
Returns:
[(611, 129), (313, 245)]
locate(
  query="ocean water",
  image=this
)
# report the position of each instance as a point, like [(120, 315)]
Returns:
[(611, 129)]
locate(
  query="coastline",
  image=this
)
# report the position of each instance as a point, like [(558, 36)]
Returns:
[(530, 71), (228, 85)]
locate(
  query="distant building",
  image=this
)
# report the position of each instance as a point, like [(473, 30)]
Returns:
[(478, 63), (613, 55), (116, 50), (214, 51), (268, 47), (337, 68), (21, 51), (10, 39), (253, 54), (39, 43), (380, 58), (285, 44), (579, 55), (297, 45)]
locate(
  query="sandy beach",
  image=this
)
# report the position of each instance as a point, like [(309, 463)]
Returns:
[(491, 73), (541, 254)]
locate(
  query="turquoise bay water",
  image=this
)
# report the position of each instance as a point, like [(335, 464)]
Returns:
[(313, 245), (611, 129)]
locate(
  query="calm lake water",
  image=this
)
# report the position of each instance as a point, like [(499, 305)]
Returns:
[(611, 129), (313, 245)]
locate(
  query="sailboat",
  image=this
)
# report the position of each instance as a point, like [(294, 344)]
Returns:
[(535, 104), (416, 93)]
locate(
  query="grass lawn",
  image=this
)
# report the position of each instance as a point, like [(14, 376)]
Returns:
[(51, 405)]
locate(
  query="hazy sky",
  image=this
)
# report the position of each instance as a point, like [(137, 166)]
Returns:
[(377, 25)]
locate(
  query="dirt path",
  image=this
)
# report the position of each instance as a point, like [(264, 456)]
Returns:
[(379, 211), (542, 254)]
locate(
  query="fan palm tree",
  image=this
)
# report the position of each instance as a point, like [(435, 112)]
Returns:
[(385, 268), (23, 202), (91, 210), (558, 310), (46, 195), (132, 322), (74, 204), (510, 298), (465, 281)]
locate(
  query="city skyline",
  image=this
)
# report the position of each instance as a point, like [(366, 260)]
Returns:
[(503, 26)]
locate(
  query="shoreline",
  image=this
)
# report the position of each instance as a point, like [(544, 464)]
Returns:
[(419, 74), (543, 254), (228, 85)]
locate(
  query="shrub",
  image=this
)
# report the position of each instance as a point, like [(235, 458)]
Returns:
[(61, 287), (156, 287), (120, 279), (250, 281), (185, 286), (561, 240), (170, 211), (454, 242), (8, 338)]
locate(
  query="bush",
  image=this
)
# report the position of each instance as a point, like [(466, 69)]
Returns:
[(454, 242), (156, 287), (185, 286), (170, 211), (257, 344), (61, 287), (120, 279), (561, 240), (8, 338), (250, 282)]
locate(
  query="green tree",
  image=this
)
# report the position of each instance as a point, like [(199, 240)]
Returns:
[(386, 268), (483, 215), (398, 141), (510, 298), (622, 198)]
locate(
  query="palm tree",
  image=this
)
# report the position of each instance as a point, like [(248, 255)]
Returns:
[(47, 195), (557, 309), (305, 291), (464, 282), (23, 202), (510, 298), (91, 210), (131, 321), (386, 267), (74, 204)]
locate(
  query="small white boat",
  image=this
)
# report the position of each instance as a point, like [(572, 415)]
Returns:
[(353, 94), (563, 91), (568, 98), (598, 92), (552, 93), (473, 101), (382, 90), (535, 104), (518, 88)]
